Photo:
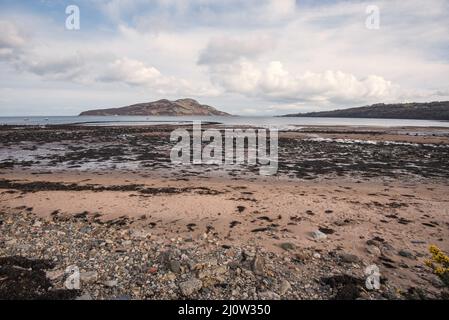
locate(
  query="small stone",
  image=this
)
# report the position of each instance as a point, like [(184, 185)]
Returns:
[(175, 266), (85, 229), (300, 257), (269, 295), (190, 287), (37, 224), (170, 276), (406, 254), (374, 250), (11, 242), (258, 265), (140, 234), (152, 270), (89, 276), (110, 283), (349, 258), (318, 235), (287, 246), (316, 255), (285, 286), (54, 274)]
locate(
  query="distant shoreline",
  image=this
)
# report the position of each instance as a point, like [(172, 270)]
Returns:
[(282, 123)]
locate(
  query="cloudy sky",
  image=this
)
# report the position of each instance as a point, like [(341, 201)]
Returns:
[(248, 57)]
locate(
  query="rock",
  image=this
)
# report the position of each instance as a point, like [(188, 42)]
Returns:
[(127, 243), (140, 234), (54, 274), (269, 295), (11, 242), (287, 246), (406, 254), (349, 258), (258, 265), (110, 283), (85, 229), (300, 257), (284, 287), (318, 235), (152, 270), (213, 276), (316, 255), (175, 266), (190, 287), (89, 276), (233, 265), (169, 276), (165, 258), (374, 250), (37, 224)]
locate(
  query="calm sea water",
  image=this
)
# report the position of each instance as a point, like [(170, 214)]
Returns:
[(281, 123)]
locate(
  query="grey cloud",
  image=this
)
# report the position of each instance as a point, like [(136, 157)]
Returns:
[(12, 40), (229, 49)]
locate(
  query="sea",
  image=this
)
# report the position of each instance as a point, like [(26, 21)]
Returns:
[(281, 123)]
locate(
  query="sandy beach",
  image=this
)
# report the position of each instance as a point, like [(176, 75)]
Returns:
[(108, 200)]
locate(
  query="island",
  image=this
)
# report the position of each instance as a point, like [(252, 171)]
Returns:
[(164, 107)]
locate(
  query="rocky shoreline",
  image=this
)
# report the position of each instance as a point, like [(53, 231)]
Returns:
[(108, 202), (119, 262)]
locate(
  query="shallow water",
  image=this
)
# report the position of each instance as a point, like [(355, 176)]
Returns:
[(280, 123)]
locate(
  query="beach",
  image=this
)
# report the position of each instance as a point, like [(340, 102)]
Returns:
[(109, 201)]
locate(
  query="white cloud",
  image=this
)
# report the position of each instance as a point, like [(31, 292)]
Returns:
[(137, 73), (132, 72), (274, 82)]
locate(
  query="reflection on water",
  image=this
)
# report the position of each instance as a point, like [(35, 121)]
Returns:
[(280, 123)]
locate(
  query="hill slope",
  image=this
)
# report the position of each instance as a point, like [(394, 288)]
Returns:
[(423, 111), (181, 107)]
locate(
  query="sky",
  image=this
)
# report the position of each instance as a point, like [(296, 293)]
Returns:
[(246, 57)]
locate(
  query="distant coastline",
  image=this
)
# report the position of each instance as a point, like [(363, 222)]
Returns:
[(438, 110)]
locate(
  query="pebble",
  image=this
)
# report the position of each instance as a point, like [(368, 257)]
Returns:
[(406, 254), (285, 286), (287, 246), (111, 283), (258, 265), (269, 295), (349, 258), (54, 274), (175, 266), (89, 276), (190, 287), (374, 250), (318, 235)]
